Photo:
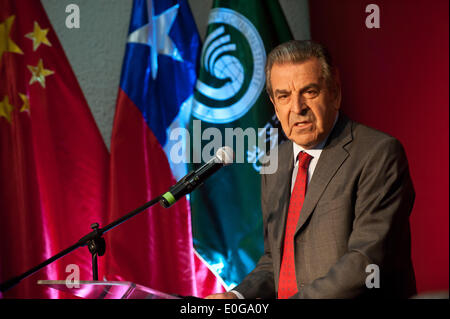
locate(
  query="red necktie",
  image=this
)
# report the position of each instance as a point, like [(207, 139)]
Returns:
[(287, 285)]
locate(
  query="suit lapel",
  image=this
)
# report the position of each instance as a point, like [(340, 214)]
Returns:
[(331, 158)]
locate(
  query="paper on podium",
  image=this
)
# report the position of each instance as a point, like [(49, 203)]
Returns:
[(106, 289)]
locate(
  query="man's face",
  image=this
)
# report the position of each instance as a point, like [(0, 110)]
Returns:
[(303, 103)]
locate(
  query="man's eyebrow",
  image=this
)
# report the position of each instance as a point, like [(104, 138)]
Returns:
[(277, 92), (310, 86), (302, 90)]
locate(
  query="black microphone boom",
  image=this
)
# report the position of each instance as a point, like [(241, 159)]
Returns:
[(194, 179)]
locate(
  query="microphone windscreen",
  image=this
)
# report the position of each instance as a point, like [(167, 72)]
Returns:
[(225, 155)]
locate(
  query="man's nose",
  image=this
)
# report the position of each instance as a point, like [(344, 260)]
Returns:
[(299, 105)]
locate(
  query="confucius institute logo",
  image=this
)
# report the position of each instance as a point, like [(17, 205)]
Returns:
[(232, 68)]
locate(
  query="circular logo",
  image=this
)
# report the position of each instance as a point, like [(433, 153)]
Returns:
[(232, 68)]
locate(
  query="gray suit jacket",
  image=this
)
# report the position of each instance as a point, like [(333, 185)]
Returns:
[(356, 213)]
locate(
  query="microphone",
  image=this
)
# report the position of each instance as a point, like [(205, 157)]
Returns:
[(224, 156)]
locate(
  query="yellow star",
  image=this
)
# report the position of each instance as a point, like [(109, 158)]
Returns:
[(39, 73), (6, 109), (38, 36), (6, 44), (26, 103)]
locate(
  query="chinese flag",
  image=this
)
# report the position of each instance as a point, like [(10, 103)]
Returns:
[(53, 161)]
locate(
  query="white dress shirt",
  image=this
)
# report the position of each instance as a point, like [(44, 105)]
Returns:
[(314, 153)]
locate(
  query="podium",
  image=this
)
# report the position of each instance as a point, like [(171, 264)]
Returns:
[(106, 289)]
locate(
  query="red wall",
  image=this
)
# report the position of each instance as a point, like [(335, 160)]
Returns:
[(395, 79)]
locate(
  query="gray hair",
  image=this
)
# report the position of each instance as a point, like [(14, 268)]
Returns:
[(296, 51)]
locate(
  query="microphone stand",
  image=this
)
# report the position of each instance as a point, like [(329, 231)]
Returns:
[(94, 241)]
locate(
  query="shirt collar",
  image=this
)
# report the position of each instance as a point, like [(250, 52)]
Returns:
[(316, 150)]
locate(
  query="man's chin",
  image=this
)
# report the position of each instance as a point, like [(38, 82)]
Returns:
[(304, 142)]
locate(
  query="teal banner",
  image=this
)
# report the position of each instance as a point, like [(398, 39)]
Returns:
[(230, 105)]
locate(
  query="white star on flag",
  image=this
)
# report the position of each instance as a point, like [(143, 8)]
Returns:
[(156, 35)]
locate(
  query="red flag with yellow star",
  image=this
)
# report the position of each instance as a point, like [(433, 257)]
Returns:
[(53, 161)]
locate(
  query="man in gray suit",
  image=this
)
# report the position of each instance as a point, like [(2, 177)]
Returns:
[(337, 224)]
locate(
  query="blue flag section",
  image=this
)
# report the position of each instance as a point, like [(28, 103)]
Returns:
[(159, 69)]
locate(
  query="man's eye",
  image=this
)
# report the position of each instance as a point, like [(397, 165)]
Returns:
[(311, 93)]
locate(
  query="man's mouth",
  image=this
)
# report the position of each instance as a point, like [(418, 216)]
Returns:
[(302, 124)]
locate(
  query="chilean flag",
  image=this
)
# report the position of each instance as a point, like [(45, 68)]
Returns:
[(155, 248)]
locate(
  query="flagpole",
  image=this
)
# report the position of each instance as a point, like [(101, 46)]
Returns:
[(94, 241)]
